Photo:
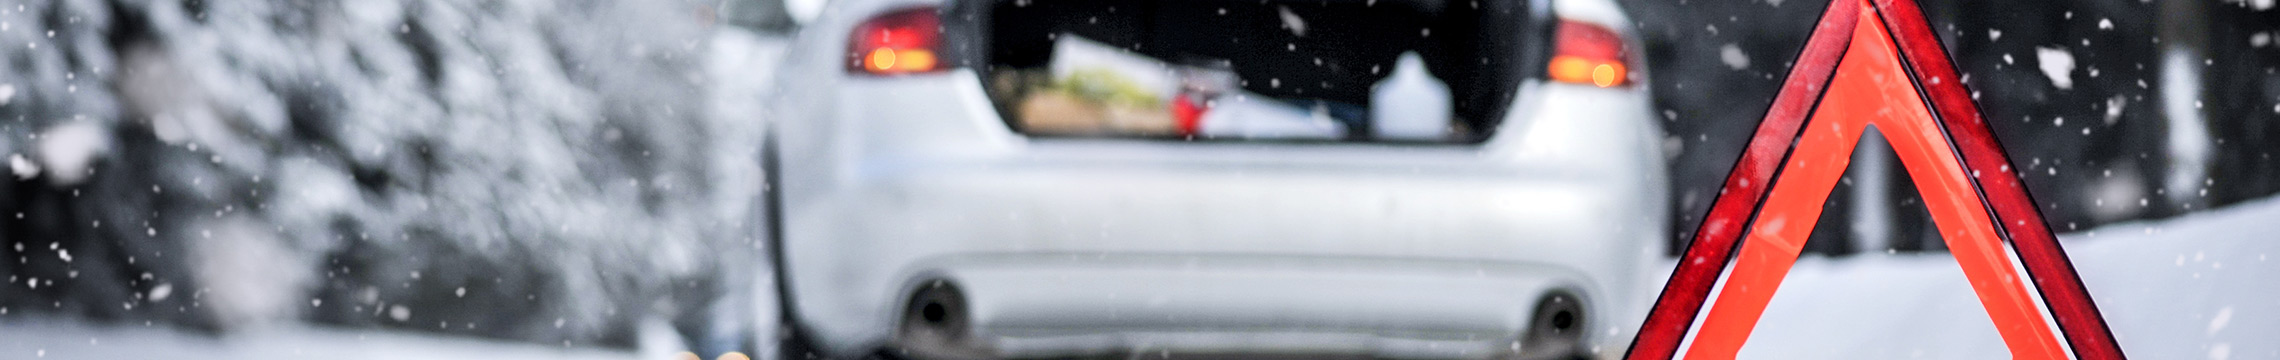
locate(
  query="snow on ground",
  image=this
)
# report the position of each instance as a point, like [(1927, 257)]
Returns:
[(59, 339), (2194, 287)]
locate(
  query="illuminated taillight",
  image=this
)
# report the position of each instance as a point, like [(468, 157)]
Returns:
[(901, 42), (1585, 53)]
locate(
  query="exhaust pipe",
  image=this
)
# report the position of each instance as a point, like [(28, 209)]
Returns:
[(1556, 331), (936, 325)]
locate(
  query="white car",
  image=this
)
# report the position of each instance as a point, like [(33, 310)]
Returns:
[(1077, 178)]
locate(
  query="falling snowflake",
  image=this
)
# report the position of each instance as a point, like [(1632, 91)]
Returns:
[(2057, 64), (1732, 55)]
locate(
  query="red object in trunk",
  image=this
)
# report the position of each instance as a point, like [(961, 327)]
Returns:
[(1187, 113)]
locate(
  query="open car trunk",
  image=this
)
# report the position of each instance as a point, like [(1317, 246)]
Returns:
[(1426, 71)]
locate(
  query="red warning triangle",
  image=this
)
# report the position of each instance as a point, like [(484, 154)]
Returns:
[(1874, 65)]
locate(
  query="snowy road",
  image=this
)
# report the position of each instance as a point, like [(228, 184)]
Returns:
[(41, 339), (2196, 287)]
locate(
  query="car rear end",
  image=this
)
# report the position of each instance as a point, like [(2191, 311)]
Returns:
[(1032, 178)]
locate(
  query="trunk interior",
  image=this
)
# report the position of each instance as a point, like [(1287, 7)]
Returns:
[(1423, 71)]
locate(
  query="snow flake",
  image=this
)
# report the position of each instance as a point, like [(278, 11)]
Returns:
[(2056, 64), (161, 292), (2105, 24), (1291, 21), (399, 313), (1732, 55), (2114, 108)]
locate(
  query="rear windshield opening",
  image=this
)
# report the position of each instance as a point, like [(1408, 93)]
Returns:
[(1315, 70)]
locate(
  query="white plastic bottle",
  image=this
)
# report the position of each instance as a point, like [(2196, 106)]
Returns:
[(1410, 104)]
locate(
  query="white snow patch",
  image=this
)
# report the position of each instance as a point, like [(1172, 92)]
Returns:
[(23, 168), (240, 267), (68, 150), (1732, 55), (2057, 64)]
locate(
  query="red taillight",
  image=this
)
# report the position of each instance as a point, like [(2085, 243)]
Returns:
[(1585, 53), (901, 42)]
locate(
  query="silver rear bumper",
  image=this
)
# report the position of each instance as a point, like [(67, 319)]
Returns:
[(1070, 305)]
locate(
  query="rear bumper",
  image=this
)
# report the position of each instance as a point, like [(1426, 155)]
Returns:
[(1061, 305), (910, 179)]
